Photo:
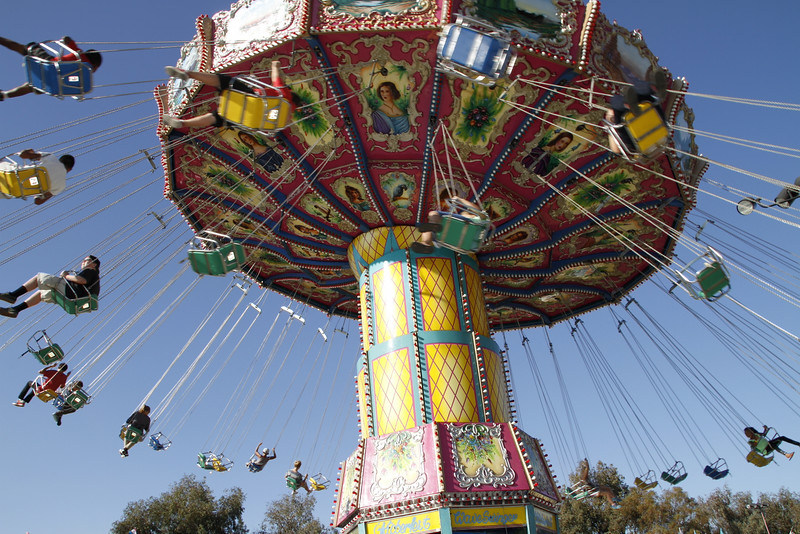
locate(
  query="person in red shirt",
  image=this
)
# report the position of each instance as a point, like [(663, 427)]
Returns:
[(91, 56), (222, 82), (49, 378)]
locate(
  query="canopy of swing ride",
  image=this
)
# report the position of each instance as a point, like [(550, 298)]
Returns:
[(576, 226)]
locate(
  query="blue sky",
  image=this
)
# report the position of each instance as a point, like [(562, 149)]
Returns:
[(71, 478)]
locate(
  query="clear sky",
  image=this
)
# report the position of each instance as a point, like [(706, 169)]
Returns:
[(71, 479)]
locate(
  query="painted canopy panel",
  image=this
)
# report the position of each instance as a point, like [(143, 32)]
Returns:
[(378, 120)]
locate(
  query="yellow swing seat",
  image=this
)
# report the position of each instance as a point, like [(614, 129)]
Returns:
[(647, 130), (647, 481), (759, 460), (252, 111), (46, 395), (20, 181), (318, 482)]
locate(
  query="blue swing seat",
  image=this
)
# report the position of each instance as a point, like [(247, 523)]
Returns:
[(159, 442), (59, 78), (717, 470), (472, 50)]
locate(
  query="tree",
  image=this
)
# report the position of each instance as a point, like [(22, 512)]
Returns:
[(292, 514), (188, 507)]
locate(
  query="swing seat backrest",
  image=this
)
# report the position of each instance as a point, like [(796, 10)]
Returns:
[(218, 261), (49, 354), (292, 483), (254, 112), (20, 183), (471, 49), (76, 306), (46, 395), (647, 129), (202, 462), (761, 446), (759, 460), (463, 234), (59, 78), (713, 281)]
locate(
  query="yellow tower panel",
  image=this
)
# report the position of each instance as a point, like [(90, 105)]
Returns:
[(451, 382), (389, 296), (437, 292), (393, 393), (477, 305), (498, 391)]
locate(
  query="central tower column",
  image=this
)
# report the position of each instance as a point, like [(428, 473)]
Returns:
[(438, 450)]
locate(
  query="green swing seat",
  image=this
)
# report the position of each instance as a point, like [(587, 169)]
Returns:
[(49, 355), (713, 281), (219, 255), (675, 474), (464, 228), (709, 283), (76, 400), (76, 306), (759, 456), (43, 348), (131, 434), (293, 483)]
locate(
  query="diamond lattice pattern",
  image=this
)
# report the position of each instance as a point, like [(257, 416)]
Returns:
[(438, 294), (496, 379), (373, 245), (452, 383), (389, 298), (477, 307), (394, 401)]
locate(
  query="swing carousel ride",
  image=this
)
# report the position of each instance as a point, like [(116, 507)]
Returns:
[(392, 123), (496, 119)]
